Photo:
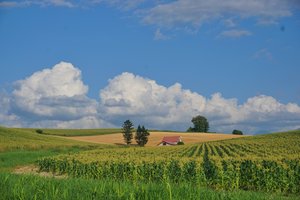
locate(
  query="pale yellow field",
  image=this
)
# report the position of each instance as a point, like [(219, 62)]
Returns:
[(156, 137)]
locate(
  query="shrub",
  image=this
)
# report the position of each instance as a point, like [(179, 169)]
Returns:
[(39, 131), (237, 132), (180, 143)]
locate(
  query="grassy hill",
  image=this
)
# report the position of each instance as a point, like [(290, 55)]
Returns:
[(28, 139), (74, 132)]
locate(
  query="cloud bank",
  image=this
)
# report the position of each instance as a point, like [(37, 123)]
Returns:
[(57, 97)]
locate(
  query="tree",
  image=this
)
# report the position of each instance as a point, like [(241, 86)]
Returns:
[(127, 131), (237, 132), (39, 131), (141, 136), (200, 124)]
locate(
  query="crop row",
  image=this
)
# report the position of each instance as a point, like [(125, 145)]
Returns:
[(230, 174)]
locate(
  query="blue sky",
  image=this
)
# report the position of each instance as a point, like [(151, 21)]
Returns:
[(239, 50)]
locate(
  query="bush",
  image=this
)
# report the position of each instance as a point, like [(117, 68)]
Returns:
[(237, 132), (180, 143), (39, 131)]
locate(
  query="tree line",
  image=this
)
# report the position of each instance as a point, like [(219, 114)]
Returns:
[(200, 123)]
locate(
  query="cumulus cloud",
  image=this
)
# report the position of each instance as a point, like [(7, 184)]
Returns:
[(86, 122), (57, 97), (147, 102), (7, 118), (55, 93)]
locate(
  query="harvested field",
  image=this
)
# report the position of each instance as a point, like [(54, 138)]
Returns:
[(156, 137)]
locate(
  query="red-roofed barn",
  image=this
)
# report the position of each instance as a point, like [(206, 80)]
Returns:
[(170, 140)]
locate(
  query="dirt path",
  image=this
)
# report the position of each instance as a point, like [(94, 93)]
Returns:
[(156, 137), (34, 170)]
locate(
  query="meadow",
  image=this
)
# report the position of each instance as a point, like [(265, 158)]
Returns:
[(256, 167)]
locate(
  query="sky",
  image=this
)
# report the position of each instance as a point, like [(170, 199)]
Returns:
[(96, 63)]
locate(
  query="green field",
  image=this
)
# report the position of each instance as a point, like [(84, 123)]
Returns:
[(28, 139), (75, 132), (258, 167)]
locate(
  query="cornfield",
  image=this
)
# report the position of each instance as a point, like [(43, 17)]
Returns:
[(263, 163)]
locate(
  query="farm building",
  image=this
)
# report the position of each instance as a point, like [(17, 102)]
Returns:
[(170, 140)]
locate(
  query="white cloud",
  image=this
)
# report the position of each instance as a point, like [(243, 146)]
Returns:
[(235, 33), (61, 80), (185, 15), (42, 3), (87, 122), (7, 118), (195, 13), (8, 4), (146, 102), (54, 93), (56, 97), (158, 35)]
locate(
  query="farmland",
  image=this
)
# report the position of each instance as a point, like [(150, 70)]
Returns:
[(156, 137), (256, 167), (261, 163)]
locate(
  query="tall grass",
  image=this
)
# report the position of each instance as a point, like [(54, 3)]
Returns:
[(33, 187)]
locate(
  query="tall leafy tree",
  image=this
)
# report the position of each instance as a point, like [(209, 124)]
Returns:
[(141, 136), (200, 124), (127, 130)]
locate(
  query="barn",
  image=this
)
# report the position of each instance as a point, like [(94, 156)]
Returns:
[(170, 140)]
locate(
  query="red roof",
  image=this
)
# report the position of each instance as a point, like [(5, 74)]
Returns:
[(171, 139)]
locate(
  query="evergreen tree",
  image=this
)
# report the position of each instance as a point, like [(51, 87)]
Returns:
[(127, 131), (141, 136)]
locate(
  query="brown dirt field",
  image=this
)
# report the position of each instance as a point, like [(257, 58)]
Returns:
[(156, 137)]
